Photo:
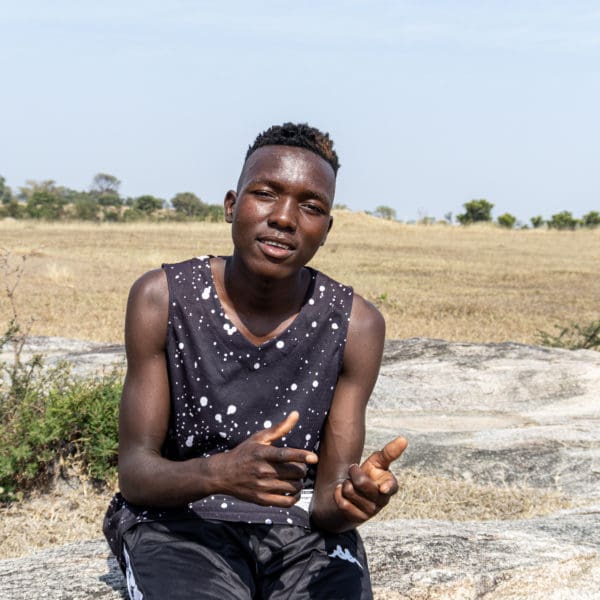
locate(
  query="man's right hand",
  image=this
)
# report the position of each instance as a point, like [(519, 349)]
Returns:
[(257, 471)]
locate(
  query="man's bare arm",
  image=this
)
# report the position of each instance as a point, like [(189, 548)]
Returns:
[(255, 470), (347, 494)]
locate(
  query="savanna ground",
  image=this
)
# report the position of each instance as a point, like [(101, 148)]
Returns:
[(477, 284)]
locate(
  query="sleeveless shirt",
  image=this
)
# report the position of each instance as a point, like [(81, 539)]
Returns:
[(224, 388)]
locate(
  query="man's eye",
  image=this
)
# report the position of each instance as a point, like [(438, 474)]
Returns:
[(315, 208)]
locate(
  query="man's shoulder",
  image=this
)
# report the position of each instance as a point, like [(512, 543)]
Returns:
[(366, 319), (150, 288)]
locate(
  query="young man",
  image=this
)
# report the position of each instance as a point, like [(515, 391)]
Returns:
[(243, 410)]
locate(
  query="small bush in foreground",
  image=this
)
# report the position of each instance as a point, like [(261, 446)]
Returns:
[(55, 423), (574, 337)]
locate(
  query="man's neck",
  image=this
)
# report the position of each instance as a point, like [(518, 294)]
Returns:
[(261, 308)]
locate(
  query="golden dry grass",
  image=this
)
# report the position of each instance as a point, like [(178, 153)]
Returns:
[(479, 284), (69, 513), (423, 496)]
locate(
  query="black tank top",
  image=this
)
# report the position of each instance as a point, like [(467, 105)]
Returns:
[(224, 388)]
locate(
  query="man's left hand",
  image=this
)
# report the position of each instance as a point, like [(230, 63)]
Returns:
[(369, 486)]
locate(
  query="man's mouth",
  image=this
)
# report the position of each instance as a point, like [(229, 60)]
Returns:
[(277, 244), (276, 248)]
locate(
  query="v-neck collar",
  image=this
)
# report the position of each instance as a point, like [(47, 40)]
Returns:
[(239, 336)]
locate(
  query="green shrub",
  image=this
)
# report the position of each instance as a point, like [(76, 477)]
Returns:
[(537, 221), (507, 220), (54, 422), (50, 420), (563, 220), (573, 337)]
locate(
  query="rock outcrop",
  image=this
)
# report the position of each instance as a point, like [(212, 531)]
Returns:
[(484, 414)]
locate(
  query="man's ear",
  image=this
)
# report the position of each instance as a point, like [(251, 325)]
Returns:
[(328, 230), (228, 204)]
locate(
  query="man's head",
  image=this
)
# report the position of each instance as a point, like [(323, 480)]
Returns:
[(300, 135), (281, 210)]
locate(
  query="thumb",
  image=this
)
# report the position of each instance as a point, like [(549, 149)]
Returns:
[(383, 458), (277, 431)]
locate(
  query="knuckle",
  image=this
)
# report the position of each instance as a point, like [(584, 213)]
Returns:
[(347, 487)]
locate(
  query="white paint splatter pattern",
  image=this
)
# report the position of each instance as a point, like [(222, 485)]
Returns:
[(224, 388)]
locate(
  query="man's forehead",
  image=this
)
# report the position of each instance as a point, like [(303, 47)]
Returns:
[(291, 160)]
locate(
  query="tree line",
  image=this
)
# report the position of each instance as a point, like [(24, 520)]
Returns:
[(480, 211), (103, 202)]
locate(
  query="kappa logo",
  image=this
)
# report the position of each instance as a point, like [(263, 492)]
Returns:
[(344, 554)]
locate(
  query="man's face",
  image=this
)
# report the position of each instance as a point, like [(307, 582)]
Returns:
[(280, 214)]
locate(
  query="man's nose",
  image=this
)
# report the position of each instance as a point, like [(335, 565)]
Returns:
[(284, 214)]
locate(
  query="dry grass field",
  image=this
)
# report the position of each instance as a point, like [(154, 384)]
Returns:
[(478, 283)]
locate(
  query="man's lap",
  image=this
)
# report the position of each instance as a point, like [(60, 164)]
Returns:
[(196, 559)]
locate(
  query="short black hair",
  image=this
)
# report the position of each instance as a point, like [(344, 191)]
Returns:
[(300, 135)]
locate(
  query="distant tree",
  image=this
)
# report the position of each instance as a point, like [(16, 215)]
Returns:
[(188, 204), (448, 216), (104, 183), (563, 220), (507, 220), (478, 210), (86, 208), (105, 190), (385, 212), (214, 213), (14, 209), (132, 214), (5, 192), (31, 186), (591, 219), (45, 205), (537, 222), (147, 204)]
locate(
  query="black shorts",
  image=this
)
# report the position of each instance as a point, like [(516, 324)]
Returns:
[(203, 559)]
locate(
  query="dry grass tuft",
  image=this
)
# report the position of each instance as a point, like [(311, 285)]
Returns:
[(433, 497), (71, 512)]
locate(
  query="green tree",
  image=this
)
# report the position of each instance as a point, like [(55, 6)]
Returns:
[(31, 186), (591, 219), (214, 213), (507, 220), (6, 196), (86, 208), (563, 220), (188, 204), (45, 205), (14, 209), (537, 222), (477, 210), (385, 212), (103, 183), (105, 190), (147, 204)]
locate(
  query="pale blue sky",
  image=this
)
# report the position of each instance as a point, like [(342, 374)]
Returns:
[(430, 103)]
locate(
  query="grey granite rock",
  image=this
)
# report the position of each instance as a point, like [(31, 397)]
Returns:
[(484, 413)]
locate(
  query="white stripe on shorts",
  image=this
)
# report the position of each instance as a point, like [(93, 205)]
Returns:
[(132, 588)]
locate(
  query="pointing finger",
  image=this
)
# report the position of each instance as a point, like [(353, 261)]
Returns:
[(277, 431), (390, 452)]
